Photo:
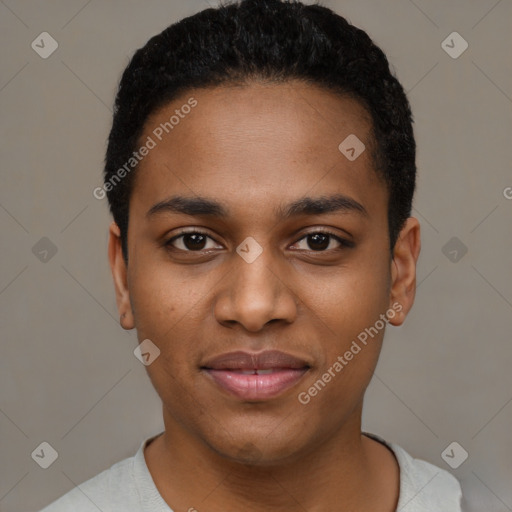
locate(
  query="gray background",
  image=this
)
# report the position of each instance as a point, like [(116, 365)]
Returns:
[(68, 375)]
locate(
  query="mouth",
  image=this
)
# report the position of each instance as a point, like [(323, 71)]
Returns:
[(255, 377)]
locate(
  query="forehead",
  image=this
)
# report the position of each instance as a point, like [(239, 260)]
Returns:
[(256, 144)]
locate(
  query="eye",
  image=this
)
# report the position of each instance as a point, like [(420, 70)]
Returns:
[(319, 241), (189, 241), (196, 241)]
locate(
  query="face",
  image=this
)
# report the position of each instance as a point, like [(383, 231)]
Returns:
[(250, 231)]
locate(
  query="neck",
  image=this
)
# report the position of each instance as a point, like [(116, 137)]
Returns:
[(339, 472)]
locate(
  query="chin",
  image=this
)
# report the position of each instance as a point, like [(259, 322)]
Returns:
[(258, 451)]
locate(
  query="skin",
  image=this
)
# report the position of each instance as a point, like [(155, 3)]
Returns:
[(253, 148)]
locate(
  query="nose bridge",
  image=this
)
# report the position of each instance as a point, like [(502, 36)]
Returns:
[(253, 293), (254, 284), (252, 272)]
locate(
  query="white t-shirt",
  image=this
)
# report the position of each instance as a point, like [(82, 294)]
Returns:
[(128, 487)]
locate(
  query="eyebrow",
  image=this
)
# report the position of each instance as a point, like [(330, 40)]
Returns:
[(202, 206)]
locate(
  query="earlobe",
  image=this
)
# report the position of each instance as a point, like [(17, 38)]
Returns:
[(119, 271), (403, 270)]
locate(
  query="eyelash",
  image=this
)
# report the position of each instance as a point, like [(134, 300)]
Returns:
[(343, 243)]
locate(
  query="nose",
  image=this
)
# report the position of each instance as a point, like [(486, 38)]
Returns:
[(255, 294)]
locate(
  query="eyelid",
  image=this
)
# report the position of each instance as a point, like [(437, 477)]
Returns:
[(344, 242), (190, 231)]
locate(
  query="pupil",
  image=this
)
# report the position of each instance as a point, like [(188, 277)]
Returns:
[(319, 237), (196, 241)]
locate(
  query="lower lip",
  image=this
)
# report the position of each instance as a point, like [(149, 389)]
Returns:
[(257, 387)]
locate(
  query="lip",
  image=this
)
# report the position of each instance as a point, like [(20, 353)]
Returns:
[(256, 376)]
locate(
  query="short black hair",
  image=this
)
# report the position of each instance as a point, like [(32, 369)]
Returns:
[(274, 41)]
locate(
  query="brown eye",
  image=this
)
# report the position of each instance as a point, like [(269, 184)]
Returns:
[(320, 241), (189, 241)]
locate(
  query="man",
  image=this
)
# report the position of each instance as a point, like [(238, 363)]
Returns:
[(260, 172)]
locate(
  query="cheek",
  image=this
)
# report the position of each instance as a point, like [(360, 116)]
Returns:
[(166, 310), (351, 298), (154, 306), (169, 309), (350, 305), (164, 299)]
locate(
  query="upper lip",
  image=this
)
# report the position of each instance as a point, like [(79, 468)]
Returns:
[(266, 360)]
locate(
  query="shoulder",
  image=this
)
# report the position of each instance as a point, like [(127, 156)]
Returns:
[(425, 487), (101, 492)]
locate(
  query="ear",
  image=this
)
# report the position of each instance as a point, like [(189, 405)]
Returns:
[(403, 270), (119, 273)]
